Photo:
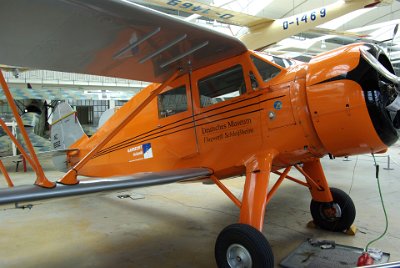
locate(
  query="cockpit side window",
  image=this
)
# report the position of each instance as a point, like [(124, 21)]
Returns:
[(172, 102), (279, 61), (222, 86), (267, 71)]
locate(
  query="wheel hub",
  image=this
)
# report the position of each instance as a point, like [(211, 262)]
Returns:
[(332, 212), (238, 256)]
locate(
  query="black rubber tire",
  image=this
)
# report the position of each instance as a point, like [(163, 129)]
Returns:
[(335, 224), (249, 238)]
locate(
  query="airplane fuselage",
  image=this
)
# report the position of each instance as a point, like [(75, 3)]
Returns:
[(222, 115)]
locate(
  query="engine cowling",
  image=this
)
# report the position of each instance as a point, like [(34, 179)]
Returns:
[(352, 95)]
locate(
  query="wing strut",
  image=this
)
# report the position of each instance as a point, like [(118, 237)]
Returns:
[(70, 178), (17, 144), (6, 176), (41, 179)]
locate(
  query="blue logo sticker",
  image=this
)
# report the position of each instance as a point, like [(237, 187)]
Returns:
[(278, 105), (147, 151)]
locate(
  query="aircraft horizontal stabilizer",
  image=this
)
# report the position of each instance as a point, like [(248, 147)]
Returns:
[(28, 193)]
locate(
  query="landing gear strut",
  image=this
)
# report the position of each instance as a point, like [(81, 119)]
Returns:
[(243, 244)]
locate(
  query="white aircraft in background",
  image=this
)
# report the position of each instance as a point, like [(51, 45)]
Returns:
[(263, 32)]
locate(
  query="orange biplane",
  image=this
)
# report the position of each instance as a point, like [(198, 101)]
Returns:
[(217, 110)]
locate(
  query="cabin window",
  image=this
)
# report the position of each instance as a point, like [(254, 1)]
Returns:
[(282, 62), (222, 86), (172, 102), (265, 69)]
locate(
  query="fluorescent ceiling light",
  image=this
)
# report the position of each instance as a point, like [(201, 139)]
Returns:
[(302, 44), (245, 6), (336, 23), (230, 30), (375, 26), (382, 33)]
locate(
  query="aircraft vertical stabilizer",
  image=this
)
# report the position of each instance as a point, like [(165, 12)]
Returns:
[(65, 130)]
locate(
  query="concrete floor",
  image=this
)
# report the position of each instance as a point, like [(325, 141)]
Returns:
[(176, 225)]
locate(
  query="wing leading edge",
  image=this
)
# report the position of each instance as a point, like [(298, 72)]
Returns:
[(106, 37), (28, 193)]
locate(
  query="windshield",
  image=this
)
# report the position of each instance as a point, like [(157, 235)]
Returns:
[(283, 62)]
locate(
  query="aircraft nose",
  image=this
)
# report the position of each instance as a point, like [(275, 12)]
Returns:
[(386, 97)]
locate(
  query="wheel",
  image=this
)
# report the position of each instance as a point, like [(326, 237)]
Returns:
[(241, 245), (334, 216)]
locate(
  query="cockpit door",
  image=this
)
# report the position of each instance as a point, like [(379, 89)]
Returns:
[(175, 119)]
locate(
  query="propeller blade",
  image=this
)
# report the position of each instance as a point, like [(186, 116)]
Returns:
[(395, 105), (380, 68)]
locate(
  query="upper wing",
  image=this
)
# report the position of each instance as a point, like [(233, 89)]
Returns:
[(106, 37)]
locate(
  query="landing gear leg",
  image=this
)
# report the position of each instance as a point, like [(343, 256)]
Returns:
[(331, 208), (243, 244)]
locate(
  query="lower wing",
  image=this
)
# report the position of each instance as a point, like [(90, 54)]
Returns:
[(27, 193)]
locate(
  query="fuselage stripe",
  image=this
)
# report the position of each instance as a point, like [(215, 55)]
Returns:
[(142, 137)]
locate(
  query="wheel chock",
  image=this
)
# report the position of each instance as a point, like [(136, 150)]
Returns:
[(351, 231), (311, 225)]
